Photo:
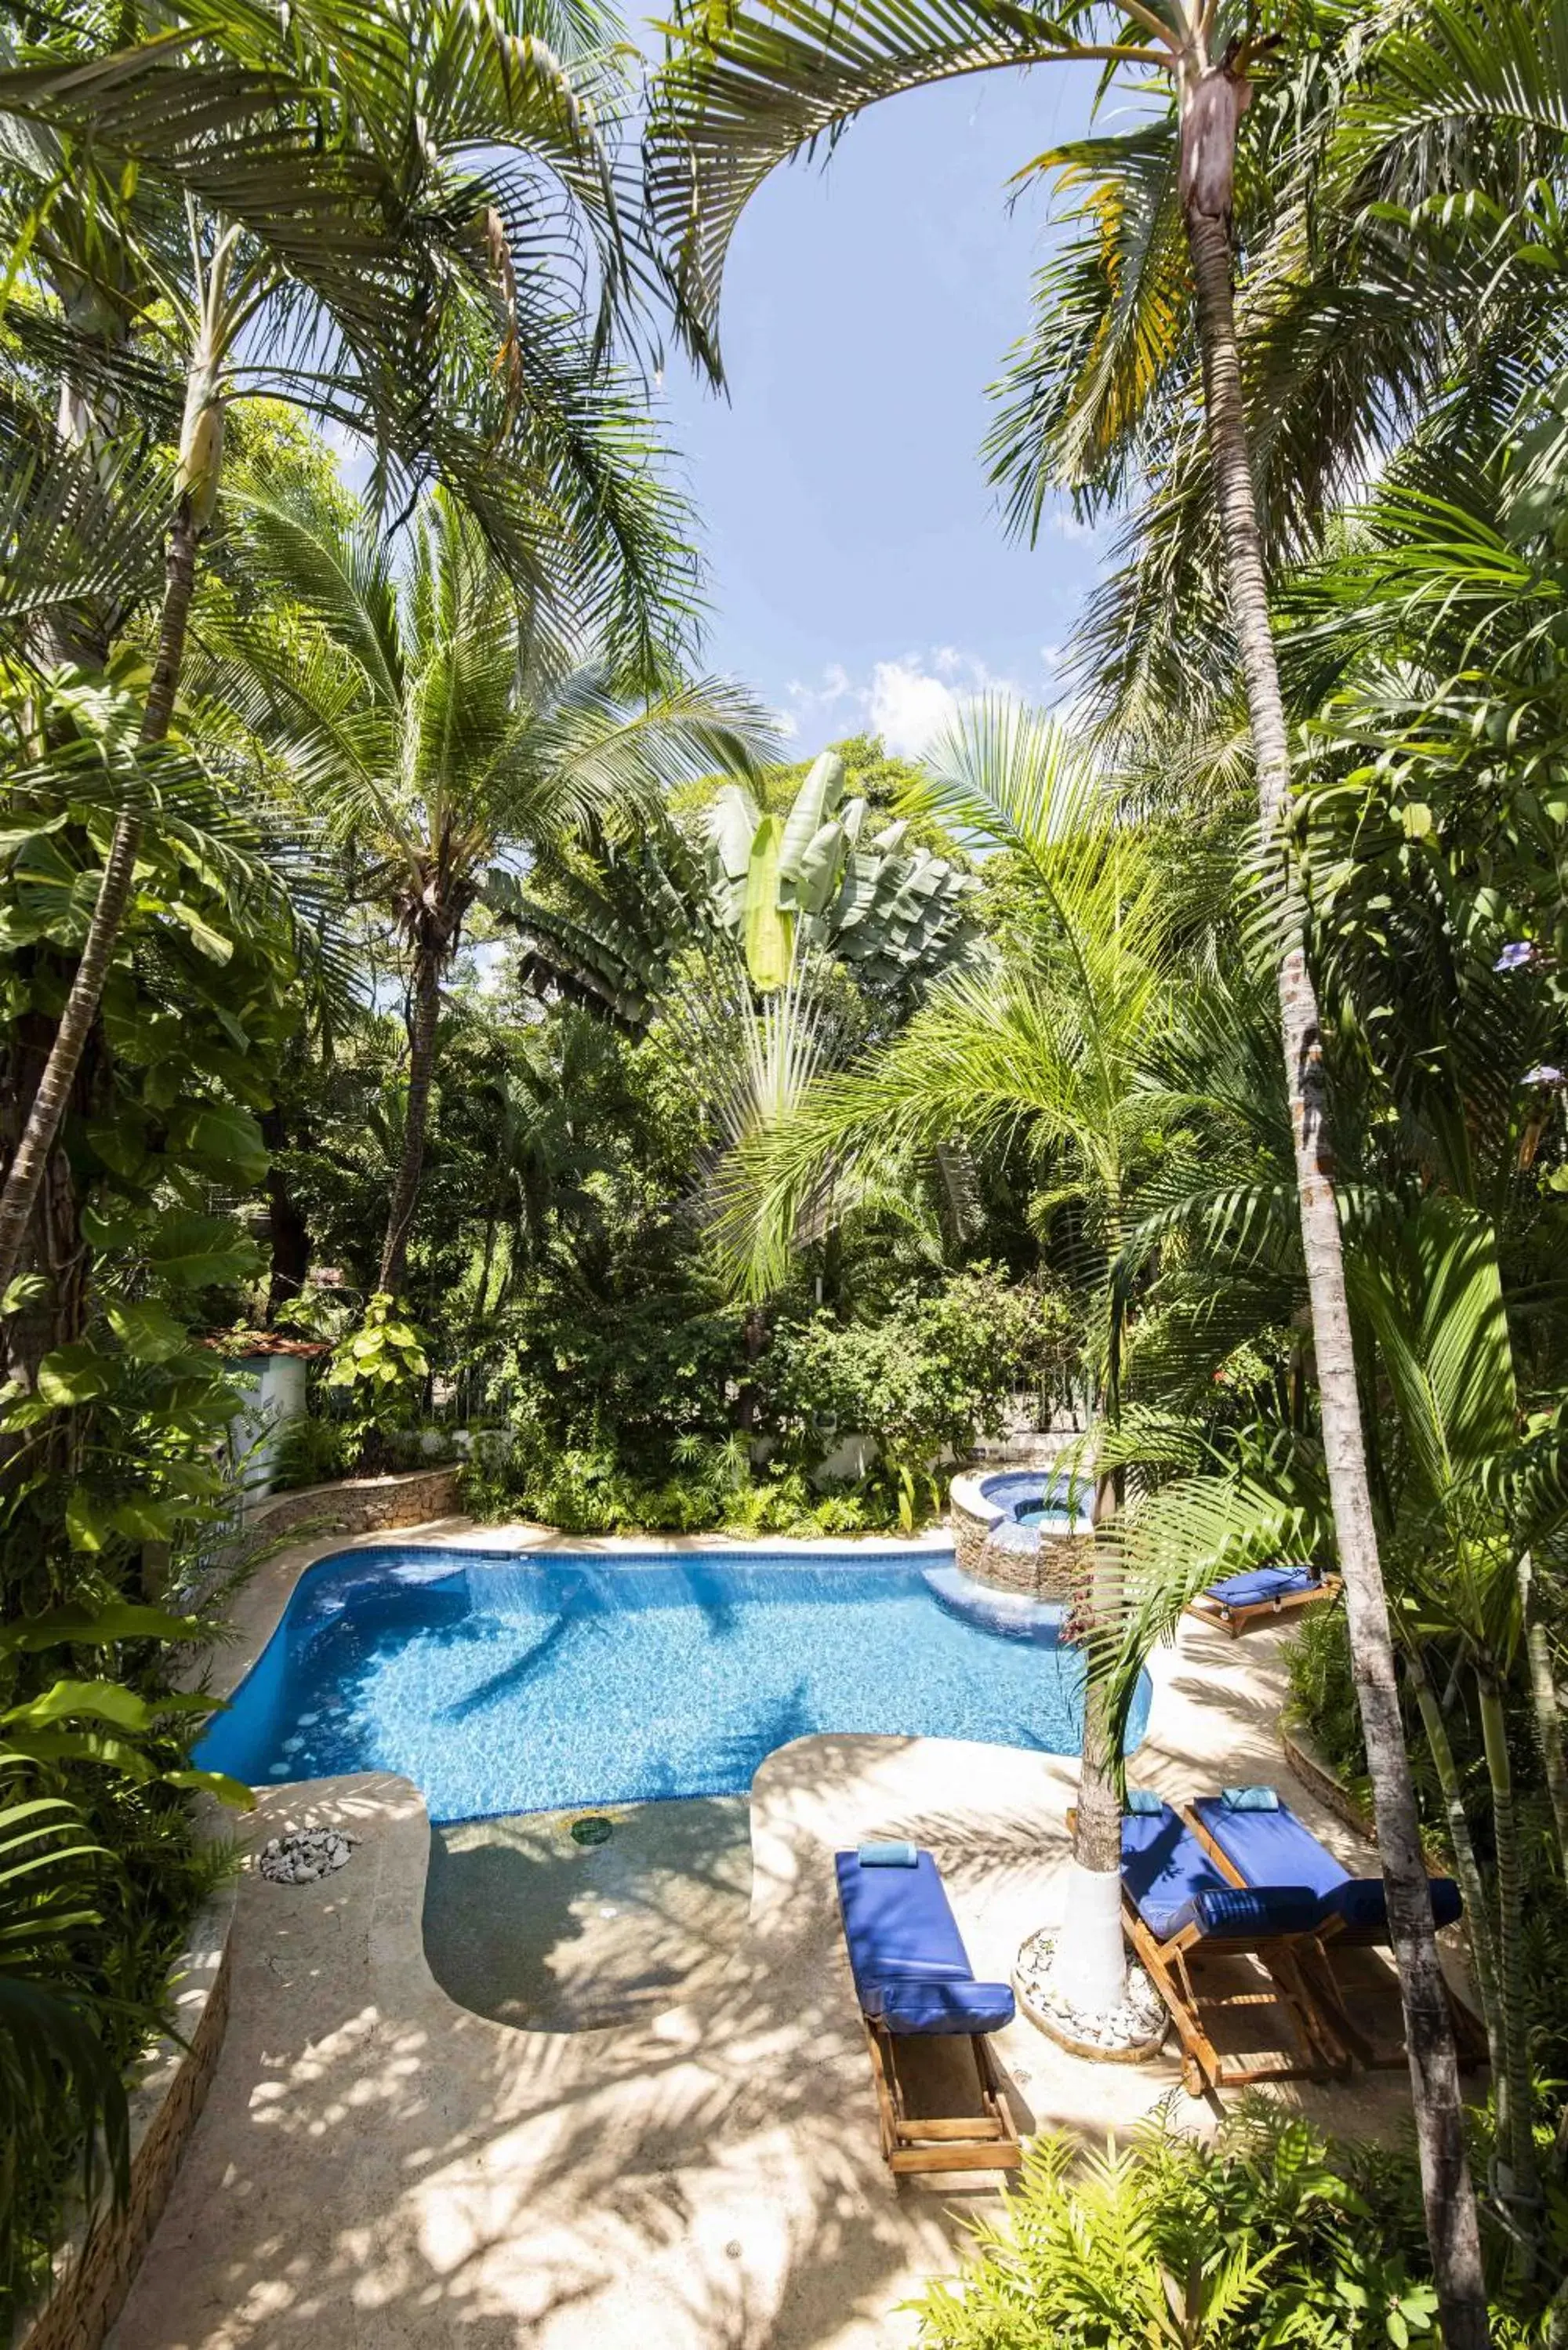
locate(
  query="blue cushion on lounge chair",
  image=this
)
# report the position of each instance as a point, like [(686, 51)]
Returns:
[(1256, 1911), (1164, 1870), (1271, 1848), (1362, 1905), (898, 1924), (935, 2007), (1275, 1848), (1261, 1584)]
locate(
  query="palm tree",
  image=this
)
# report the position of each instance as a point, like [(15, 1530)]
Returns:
[(288, 235), (746, 89), (1052, 1045), (434, 737), (1463, 1499)]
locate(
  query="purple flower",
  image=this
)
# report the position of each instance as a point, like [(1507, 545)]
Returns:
[(1542, 1074), (1515, 955)]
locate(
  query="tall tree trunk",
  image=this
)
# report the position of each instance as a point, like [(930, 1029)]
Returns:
[(422, 1023), (1211, 105), (481, 1295), (1547, 1712), (290, 1234), (1519, 2187), (25, 1175)]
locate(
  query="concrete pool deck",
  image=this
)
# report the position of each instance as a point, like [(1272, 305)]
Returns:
[(377, 2166)]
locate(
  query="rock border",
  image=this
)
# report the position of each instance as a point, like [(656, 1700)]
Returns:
[(1095, 2051), (95, 2266)]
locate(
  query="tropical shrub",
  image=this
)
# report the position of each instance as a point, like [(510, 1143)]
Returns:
[(1272, 2235), (930, 1377)]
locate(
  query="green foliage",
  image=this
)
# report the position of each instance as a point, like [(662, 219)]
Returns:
[(933, 1372), (310, 1450), (382, 1367), (95, 1886), (1271, 2235), (1322, 1692)]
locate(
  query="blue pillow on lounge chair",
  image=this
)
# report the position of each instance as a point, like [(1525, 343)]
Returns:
[(936, 2007), (1257, 1911), (1144, 1803), (886, 1855), (1250, 1799), (1362, 1905)]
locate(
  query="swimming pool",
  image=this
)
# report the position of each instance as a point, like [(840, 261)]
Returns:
[(502, 1682)]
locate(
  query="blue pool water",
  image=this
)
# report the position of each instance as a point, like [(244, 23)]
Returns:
[(506, 1683)]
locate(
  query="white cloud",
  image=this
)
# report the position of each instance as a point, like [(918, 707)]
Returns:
[(907, 708), (1065, 524), (907, 701), (837, 686)]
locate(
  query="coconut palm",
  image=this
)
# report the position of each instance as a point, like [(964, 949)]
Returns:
[(417, 716), (287, 236), (747, 89)]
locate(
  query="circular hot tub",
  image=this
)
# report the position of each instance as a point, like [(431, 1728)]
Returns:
[(1024, 1529)]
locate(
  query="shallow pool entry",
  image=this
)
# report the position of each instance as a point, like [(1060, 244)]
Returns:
[(502, 1684), (527, 1925)]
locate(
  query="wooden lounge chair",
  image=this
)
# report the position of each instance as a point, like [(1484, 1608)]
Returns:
[(1190, 1924), (1272, 1845), (1262, 1594), (915, 1985)]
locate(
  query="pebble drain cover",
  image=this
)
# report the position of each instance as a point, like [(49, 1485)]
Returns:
[(593, 1828)]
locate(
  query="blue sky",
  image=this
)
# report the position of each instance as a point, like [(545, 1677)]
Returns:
[(859, 575)]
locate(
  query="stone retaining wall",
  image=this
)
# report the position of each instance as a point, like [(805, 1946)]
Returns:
[(1314, 1770), (94, 2270), (355, 1506)]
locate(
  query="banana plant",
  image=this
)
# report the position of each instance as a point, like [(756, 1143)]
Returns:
[(814, 879), (607, 927)]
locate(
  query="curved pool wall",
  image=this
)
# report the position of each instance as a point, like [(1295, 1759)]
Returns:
[(501, 1681), (1029, 1530)]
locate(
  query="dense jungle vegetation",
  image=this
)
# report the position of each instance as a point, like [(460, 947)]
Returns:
[(407, 946)]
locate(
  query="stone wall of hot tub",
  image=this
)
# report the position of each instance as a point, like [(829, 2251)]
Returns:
[(1018, 1557), (998, 1551)]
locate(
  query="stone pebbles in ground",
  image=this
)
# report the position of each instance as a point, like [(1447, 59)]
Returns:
[(301, 1858)]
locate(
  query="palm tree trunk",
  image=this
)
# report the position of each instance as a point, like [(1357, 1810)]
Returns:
[(1467, 1868), (1089, 1966), (26, 1172), (421, 1069), (290, 1234), (1211, 106), (1520, 2189), (1547, 1712)]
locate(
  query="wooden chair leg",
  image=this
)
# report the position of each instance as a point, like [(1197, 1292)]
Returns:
[(985, 2141)]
